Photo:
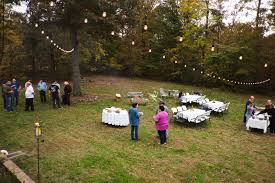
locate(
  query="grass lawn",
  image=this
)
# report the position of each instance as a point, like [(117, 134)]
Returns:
[(79, 148)]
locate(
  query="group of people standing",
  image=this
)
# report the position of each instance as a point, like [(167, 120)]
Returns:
[(250, 112), (161, 119), (11, 93)]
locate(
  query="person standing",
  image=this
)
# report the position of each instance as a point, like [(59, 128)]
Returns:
[(134, 116), (67, 93), (270, 110), (248, 102), (29, 94), (162, 124), (16, 87), (8, 92), (251, 110), (3, 95), (55, 92), (42, 88)]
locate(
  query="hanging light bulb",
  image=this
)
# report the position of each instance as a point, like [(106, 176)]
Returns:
[(113, 33), (185, 65), (51, 3), (85, 20), (145, 27), (54, 44), (51, 41), (265, 65), (150, 51), (163, 56), (181, 39), (201, 72), (133, 43), (104, 14), (42, 32), (47, 37), (29, 15), (241, 57), (194, 69), (176, 62), (36, 25)]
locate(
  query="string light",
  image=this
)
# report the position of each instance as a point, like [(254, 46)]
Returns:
[(29, 15), (181, 39), (163, 56), (145, 27), (265, 65), (42, 32), (150, 51), (51, 3), (104, 14), (36, 25), (113, 33), (241, 57), (85, 20), (47, 37), (133, 43), (176, 62)]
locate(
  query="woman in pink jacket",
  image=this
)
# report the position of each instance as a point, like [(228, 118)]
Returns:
[(162, 124)]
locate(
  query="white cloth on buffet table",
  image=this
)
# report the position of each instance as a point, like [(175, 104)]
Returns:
[(258, 122), (191, 114), (190, 98), (115, 116), (214, 105)]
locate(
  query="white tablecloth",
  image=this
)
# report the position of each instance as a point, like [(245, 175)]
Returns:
[(213, 105), (109, 116), (191, 114), (258, 122), (191, 98)]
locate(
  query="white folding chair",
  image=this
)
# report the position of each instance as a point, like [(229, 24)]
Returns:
[(174, 110), (184, 108), (179, 109)]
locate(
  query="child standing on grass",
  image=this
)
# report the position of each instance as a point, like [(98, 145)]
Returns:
[(162, 124)]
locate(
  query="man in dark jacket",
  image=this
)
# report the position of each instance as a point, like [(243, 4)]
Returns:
[(55, 92), (270, 110), (3, 95)]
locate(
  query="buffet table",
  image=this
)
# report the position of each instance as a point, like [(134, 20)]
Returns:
[(260, 122)]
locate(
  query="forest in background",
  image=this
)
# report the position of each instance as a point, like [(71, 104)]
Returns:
[(156, 39)]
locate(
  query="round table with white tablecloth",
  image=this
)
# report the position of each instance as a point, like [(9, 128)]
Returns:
[(260, 122), (115, 116), (191, 114)]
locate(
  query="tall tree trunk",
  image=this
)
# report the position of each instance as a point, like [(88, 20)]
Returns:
[(3, 34), (207, 18), (75, 65), (33, 59), (258, 14)]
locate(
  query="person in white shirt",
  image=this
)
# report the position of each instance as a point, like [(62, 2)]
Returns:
[(29, 94)]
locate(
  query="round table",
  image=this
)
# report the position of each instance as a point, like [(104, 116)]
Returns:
[(115, 116)]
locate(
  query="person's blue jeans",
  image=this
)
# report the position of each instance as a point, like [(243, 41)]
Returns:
[(162, 136), (8, 103), (134, 132), (16, 97)]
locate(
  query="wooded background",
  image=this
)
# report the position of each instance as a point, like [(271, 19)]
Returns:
[(26, 54)]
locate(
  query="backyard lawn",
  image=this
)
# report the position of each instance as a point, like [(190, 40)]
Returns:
[(79, 148)]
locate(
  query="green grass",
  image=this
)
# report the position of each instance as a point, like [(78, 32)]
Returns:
[(79, 148)]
